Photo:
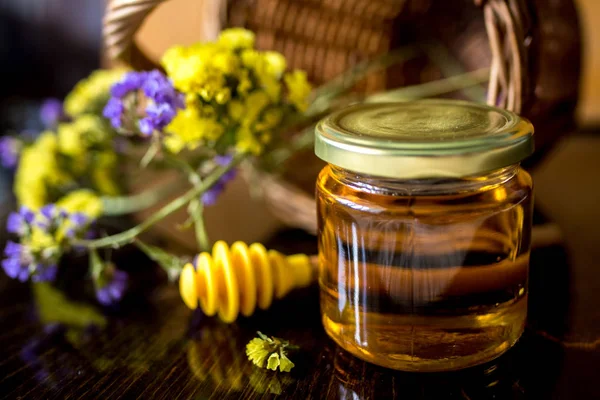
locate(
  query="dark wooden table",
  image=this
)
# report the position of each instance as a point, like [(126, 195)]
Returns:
[(53, 347)]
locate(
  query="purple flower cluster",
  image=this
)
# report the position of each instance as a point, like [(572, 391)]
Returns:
[(10, 149), (23, 259), (161, 109), (20, 222), (211, 195), (51, 112), (112, 287)]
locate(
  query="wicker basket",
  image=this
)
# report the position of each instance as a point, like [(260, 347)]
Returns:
[(523, 42)]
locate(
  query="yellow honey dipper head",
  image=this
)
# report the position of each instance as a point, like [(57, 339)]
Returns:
[(239, 278)]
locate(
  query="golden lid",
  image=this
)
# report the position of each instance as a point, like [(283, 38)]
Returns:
[(423, 139)]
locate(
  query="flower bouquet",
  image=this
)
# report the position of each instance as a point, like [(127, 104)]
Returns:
[(215, 106)]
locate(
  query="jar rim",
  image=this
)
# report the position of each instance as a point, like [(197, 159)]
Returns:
[(423, 139)]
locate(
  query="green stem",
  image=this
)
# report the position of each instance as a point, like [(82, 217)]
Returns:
[(326, 93), (301, 141), (150, 154), (449, 65), (433, 88), (122, 205), (196, 210), (129, 235), (186, 168)]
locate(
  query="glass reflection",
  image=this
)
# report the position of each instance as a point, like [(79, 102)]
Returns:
[(358, 380)]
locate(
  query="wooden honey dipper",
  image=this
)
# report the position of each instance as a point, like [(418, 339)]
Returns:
[(237, 279)]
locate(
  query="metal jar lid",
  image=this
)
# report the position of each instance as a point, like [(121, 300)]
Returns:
[(423, 139)]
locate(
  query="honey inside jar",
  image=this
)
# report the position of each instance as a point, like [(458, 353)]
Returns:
[(421, 271)]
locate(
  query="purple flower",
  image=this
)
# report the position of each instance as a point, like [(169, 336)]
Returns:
[(10, 148), (211, 195), (20, 264), (50, 217), (51, 112), (114, 287), (45, 273), (160, 89), (146, 127), (130, 82), (20, 222), (48, 211), (22, 260), (162, 106), (16, 263), (79, 219), (113, 111), (79, 225), (158, 116)]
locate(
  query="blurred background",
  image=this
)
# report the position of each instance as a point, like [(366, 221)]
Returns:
[(46, 46)]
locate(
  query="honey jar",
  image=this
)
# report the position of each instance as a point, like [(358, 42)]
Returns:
[(424, 220)]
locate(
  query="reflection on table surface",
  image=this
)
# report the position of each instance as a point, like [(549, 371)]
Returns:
[(157, 348)]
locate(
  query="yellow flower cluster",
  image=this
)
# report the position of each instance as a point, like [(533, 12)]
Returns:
[(39, 172), (81, 201), (79, 153), (234, 93), (91, 94), (55, 162), (266, 352)]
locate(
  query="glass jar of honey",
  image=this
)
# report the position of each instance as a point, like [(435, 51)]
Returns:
[(424, 232)]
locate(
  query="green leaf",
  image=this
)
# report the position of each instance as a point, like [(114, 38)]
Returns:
[(96, 265), (53, 306), (170, 263)]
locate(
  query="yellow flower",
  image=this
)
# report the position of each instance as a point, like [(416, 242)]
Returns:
[(242, 87), (266, 352), (274, 63), (245, 84), (38, 172), (190, 129), (298, 89), (246, 142), (91, 94), (270, 119), (236, 110), (250, 58), (83, 201), (85, 131), (255, 103), (226, 62), (236, 38), (222, 96), (174, 143), (258, 351), (268, 67), (272, 87), (193, 69), (40, 240), (103, 171)]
